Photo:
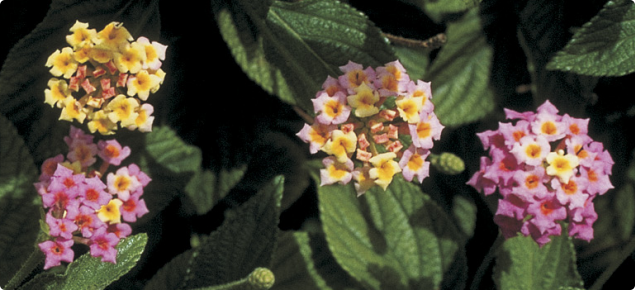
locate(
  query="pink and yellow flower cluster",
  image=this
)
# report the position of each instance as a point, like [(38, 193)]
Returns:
[(373, 124), (548, 170), (104, 76), (81, 207)]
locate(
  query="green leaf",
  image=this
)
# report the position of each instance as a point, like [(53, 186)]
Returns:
[(184, 162), (522, 265), (464, 211), (414, 60), (24, 76), (290, 48), (460, 74), (397, 239), (206, 188), (603, 46), (246, 240), (438, 10), (170, 151), (303, 261), (19, 202), (88, 272)]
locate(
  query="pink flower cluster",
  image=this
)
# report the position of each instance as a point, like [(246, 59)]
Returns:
[(373, 124), (81, 208), (548, 170)]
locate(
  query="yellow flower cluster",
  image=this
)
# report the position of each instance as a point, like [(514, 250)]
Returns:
[(104, 76)]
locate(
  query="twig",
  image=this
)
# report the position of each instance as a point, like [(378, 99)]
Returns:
[(430, 43)]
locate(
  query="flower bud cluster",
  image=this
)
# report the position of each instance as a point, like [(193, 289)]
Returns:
[(548, 170), (110, 74), (80, 207), (373, 124)]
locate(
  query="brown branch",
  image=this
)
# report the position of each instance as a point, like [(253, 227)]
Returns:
[(430, 43)]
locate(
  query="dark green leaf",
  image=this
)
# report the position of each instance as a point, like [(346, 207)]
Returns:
[(206, 188), (522, 265), (24, 77), (303, 261), (415, 60), (290, 48), (170, 151), (397, 239), (603, 46), (464, 211), (437, 10), (19, 202), (460, 74), (245, 241)]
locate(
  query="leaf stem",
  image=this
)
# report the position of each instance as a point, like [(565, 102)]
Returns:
[(487, 261), (32, 262), (303, 114), (606, 275), (430, 43)]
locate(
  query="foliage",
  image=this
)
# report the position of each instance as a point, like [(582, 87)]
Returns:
[(235, 201)]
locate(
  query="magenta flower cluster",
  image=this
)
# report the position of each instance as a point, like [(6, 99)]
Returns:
[(80, 207), (548, 170), (373, 124)]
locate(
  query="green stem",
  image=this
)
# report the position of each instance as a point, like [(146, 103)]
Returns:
[(33, 261), (487, 261), (604, 277)]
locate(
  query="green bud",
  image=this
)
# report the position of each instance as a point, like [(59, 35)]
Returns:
[(261, 278), (447, 163)]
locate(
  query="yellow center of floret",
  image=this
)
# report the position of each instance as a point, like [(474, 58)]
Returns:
[(415, 162), (356, 77), (110, 213), (549, 128), (561, 165), (333, 108), (424, 130), (409, 109), (533, 151)]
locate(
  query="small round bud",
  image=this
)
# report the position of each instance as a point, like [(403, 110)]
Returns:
[(447, 163), (261, 278)]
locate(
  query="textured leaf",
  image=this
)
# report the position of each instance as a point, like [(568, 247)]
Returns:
[(541, 33), (19, 202), (414, 60), (522, 265), (303, 261), (290, 48), (184, 162), (397, 239), (245, 241), (437, 10), (88, 272), (24, 76), (170, 151), (206, 188), (603, 46), (464, 211), (460, 74)]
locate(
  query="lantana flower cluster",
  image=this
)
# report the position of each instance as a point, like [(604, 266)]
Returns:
[(104, 76), (548, 170), (82, 208), (373, 124)]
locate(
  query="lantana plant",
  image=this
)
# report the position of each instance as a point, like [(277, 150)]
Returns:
[(104, 77), (86, 204), (373, 124), (548, 170)]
